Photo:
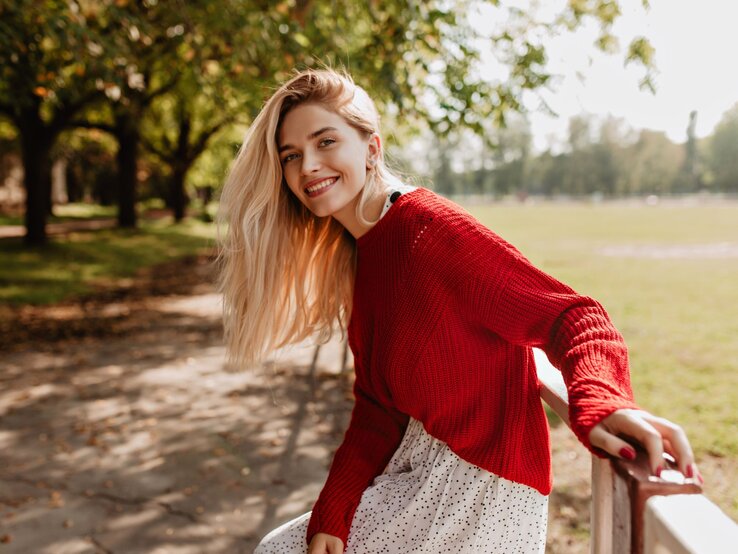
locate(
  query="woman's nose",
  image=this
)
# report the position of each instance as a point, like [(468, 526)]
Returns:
[(310, 163)]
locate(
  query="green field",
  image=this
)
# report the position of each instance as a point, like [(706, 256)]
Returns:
[(679, 315)]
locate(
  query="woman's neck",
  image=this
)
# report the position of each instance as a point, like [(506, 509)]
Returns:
[(347, 215)]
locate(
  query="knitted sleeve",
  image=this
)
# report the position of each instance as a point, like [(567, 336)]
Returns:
[(527, 307), (371, 439)]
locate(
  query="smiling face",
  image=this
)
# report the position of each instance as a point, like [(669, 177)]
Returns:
[(324, 159)]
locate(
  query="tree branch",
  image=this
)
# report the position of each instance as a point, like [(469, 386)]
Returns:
[(166, 87), (84, 124), (158, 152), (204, 137), (62, 118)]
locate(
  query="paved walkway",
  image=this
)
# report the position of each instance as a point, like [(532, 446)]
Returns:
[(146, 442), (149, 443)]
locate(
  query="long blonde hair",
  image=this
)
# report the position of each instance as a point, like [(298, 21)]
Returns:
[(284, 273)]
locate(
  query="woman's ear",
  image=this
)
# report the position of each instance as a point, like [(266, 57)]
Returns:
[(373, 151)]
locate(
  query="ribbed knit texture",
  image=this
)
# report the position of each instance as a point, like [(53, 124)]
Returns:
[(444, 318)]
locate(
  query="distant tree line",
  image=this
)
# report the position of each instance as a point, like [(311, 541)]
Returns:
[(606, 159)]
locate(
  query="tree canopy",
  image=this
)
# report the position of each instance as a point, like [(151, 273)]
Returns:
[(132, 67)]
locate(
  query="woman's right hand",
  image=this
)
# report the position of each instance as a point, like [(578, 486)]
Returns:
[(323, 543)]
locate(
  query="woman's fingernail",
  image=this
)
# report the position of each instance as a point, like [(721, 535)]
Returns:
[(694, 473), (627, 453), (699, 475)]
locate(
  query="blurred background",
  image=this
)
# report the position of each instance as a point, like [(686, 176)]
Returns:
[(598, 136)]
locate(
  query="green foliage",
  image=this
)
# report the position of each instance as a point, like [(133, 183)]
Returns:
[(178, 72), (723, 152), (415, 55), (651, 165), (641, 51), (412, 57), (47, 51), (690, 174)]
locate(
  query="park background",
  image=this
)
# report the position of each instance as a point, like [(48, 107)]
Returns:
[(122, 430)]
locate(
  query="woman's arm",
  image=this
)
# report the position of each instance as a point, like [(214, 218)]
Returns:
[(528, 307), (371, 439)]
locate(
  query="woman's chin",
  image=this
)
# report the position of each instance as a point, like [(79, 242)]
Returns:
[(327, 209), (322, 211)]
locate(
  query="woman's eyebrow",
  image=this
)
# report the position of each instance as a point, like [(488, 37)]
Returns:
[(310, 136)]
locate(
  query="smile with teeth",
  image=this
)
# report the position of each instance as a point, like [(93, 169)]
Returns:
[(321, 185)]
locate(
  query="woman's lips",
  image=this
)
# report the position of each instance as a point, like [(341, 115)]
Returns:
[(323, 187)]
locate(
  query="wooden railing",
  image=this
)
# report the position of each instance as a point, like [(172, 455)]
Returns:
[(635, 512)]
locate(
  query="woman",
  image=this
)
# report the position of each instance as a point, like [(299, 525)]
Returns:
[(448, 447)]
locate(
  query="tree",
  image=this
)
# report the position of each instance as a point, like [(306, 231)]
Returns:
[(548, 173), (46, 58), (512, 156), (723, 152), (180, 145), (142, 62), (578, 176), (224, 67), (689, 178), (442, 174), (653, 162)]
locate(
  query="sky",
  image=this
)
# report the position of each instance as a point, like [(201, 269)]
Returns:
[(696, 44)]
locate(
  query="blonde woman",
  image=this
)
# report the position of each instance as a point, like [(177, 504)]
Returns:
[(447, 449)]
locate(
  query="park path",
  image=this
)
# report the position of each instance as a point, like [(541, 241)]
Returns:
[(146, 441)]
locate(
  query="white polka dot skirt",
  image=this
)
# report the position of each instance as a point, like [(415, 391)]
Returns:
[(428, 500)]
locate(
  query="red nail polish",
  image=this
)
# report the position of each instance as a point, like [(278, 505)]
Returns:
[(627, 453), (658, 471), (694, 473)]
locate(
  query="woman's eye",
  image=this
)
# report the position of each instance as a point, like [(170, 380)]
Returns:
[(289, 158), (326, 142)]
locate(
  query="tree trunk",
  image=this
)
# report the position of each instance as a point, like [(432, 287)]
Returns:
[(178, 195), (49, 190), (127, 134), (181, 165), (36, 154)]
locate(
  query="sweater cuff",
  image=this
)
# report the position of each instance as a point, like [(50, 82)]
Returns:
[(335, 528), (582, 422)]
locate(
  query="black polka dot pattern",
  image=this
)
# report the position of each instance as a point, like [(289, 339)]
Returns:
[(428, 500), (393, 194)]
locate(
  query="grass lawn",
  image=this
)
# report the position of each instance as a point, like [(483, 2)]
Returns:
[(74, 263), (678, 314), (67, 212)]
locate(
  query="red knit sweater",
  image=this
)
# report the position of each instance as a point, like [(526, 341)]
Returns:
[(444, 316)]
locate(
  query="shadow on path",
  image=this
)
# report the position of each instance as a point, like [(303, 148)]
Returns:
[(144, 440)]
